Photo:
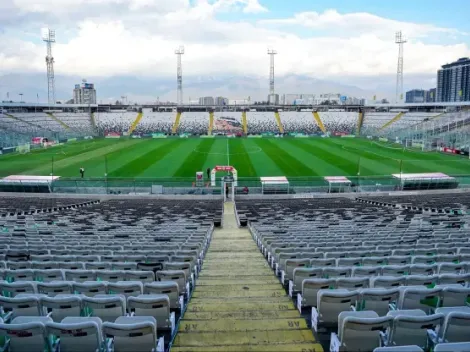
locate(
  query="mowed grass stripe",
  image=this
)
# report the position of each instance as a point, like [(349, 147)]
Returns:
[(41, 159), (411, 161), (320, 151), (368, 160), (285, 161), (70, 166), (166, 167), (141, 163), (239, 157), (195, 161)]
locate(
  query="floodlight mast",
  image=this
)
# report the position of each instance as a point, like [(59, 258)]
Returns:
[(399, 89), (179, 75), (48, 36), (271, 53)]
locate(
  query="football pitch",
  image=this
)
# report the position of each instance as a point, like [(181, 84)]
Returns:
[(252, 157)]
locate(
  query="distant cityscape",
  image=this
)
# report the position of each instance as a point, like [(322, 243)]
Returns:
[(453, 85)]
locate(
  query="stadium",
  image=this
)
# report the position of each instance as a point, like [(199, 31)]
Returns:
[(267, 228)]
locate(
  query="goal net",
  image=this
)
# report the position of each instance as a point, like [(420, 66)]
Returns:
[(23, 148)]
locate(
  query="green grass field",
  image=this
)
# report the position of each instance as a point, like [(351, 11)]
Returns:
[(181, 158)]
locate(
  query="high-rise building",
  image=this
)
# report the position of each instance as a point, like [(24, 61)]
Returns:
[(206, 101), (84, 93), (453, 81), (273, 99), (431, 95), (221, 101), (415, 96)]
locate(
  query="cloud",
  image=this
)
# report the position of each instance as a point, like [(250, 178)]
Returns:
[(350, 24), (101, 38)]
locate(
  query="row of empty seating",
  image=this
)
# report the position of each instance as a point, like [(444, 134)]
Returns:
[(368, 276), (121, 272)]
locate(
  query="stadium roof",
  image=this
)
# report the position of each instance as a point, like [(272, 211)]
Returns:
[(45, 105)]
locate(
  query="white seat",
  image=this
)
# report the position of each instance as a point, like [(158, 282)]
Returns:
[(90, 288), (21, 305), (126, 288), (20, 275), (177, 276), (336, 272), (423, 269), (54, 288), (450, 268), (352, 283), (410, 327), (395, 270), (80, 275), (332, 302), (301, 274), (123, 266), (131, 334), (366, 271), (461, 279), (25, 334), (378, 299), (98, 266), (11, 289), (105, 307), (387, 281), (412, 297), (310, 288), (418, 280), (456, 324), (157, 306), (359, 331), (176, 266), (62, 306), (292, 264), (168, 288), (453, 295), (49, 275), (77, 334), (111, 275), (143, 276)]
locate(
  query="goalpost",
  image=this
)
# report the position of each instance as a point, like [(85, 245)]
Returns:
[(23, 148)]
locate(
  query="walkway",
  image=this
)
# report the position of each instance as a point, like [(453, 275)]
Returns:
[(238, 304)]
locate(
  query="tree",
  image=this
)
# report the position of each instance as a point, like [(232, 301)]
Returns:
[(118, 102), (385, 101)]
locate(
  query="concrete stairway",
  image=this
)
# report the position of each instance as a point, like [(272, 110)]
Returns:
[(238, 304)]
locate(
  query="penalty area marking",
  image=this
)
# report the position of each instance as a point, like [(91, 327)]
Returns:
[(249, 151)]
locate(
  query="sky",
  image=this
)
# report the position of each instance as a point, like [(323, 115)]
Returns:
[(347, 41)]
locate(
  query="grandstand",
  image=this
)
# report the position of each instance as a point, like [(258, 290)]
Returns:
[(334, 273)]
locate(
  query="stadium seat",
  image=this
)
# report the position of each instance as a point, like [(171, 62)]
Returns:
[(168, 288), (132, 334), (25, 334), (359, 331), (157, 306), (77, 333), (106, 307), (410, 327), (329, 304), (378, 299), (61, 306)]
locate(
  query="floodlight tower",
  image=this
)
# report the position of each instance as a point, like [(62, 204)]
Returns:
[(399, 90), (179, 75), (271, 53), (48, 35)]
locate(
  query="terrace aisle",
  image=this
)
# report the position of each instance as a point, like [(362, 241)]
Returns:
[(238, 304)]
